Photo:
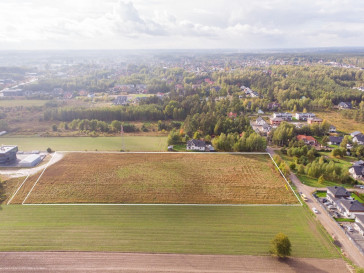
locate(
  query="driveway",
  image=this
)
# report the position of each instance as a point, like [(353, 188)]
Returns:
[(349, 249)]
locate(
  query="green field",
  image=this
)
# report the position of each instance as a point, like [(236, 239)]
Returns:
[(131, 143), (162, 229), (25, 103)]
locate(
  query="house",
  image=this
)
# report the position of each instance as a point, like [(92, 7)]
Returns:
[(273, 106), (349, 207), (353, 134), (359, 223), (333, 193), (260, 126), (304, 116), (8, 153), (260, 112), (284, 116), (309, 140), (357, 171), (334, 140), (232, 115), (196, 145), (275, 121), (314, 120), (332, 129), (359, 139), (121, 100), (344, 105)]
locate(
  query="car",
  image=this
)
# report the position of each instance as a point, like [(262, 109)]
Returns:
[(315, 210), (330, 207), (350, 229), (324, 200)]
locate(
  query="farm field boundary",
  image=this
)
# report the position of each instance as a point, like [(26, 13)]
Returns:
[(34, 186)]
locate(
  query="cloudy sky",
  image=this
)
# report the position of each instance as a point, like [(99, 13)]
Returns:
[(160, 24)]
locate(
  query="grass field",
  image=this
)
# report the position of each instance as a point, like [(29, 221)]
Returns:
[(160, 178), (341, 123), (131, 143), (25, 103), (163, 229)]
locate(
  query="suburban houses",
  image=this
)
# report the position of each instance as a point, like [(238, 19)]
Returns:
[(309, 140), (359, 139), (199, 145), (335, 140), (345, 105), (304, 116), (260, 126)]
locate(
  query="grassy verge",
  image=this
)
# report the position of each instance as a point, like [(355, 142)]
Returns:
[(130, 143), (161, 229), (344, 220), (321, 194), (313, 182), (358, 198)]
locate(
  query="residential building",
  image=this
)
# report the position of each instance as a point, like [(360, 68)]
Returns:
[(332, 129), (309, 140), (273, 106), (344, 105), (359, 139), (353, 134), (8, 153), (284, 116), (357, 172), (349, 207), (260, 126), (304, 116), (276, 121), (336, 192), (121, 100), (196, 145), (334, 140), (314, 120), (359, 223)]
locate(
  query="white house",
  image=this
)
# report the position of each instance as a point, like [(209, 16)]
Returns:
[(353, 134), (304, 116), (284, 116), (332, 129), (359, 139), (196, 145), (359, 223), (350, 208)]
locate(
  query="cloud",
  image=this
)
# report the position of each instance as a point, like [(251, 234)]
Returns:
[(174, 24)]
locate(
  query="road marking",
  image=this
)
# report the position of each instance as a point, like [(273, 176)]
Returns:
[(17, 190)]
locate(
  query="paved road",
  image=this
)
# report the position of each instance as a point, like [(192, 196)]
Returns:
[(330, 225), (138, 263)]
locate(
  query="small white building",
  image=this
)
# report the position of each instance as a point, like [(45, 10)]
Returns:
[(30, 161)]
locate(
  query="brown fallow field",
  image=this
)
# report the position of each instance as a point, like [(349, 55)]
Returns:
[(164, 178)]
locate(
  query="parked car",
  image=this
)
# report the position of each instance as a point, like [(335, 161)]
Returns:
[(331, 207), (315, 210), (324, 200), (350, 229)]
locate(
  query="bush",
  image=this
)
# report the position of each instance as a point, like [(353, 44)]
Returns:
[(49, 150)]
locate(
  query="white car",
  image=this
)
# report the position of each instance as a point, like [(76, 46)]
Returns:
[(350, 229), (315, 210)]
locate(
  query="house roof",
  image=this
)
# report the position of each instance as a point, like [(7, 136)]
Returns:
[(276, 119), (196, 142), (352, 206), (308, 138), (358, 170), (355, 133), (358, 163), (360, 137), (338, 191), (335, 139), (360, 218), (345, 104)]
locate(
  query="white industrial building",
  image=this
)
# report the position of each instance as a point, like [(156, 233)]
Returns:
[(30, 161)]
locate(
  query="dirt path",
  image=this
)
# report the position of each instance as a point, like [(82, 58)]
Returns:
[(332, 228), (14, 173), (132, 262)]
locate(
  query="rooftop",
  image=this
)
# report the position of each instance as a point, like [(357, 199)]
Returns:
[(7, 148)]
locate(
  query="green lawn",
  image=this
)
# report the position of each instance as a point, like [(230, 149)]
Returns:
[(358, 198), (321, 194), (131, 143), (344, 220), (313, 182), (161, 229), (25, 103)]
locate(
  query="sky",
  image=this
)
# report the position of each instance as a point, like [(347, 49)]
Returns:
[(182, 24)]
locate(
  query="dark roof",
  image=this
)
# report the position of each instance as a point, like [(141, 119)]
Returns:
[(360, 137), (338, 191), (358, 170), (196, 142), (345, 104), (352, 206), (335, 139), (360, 218)]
